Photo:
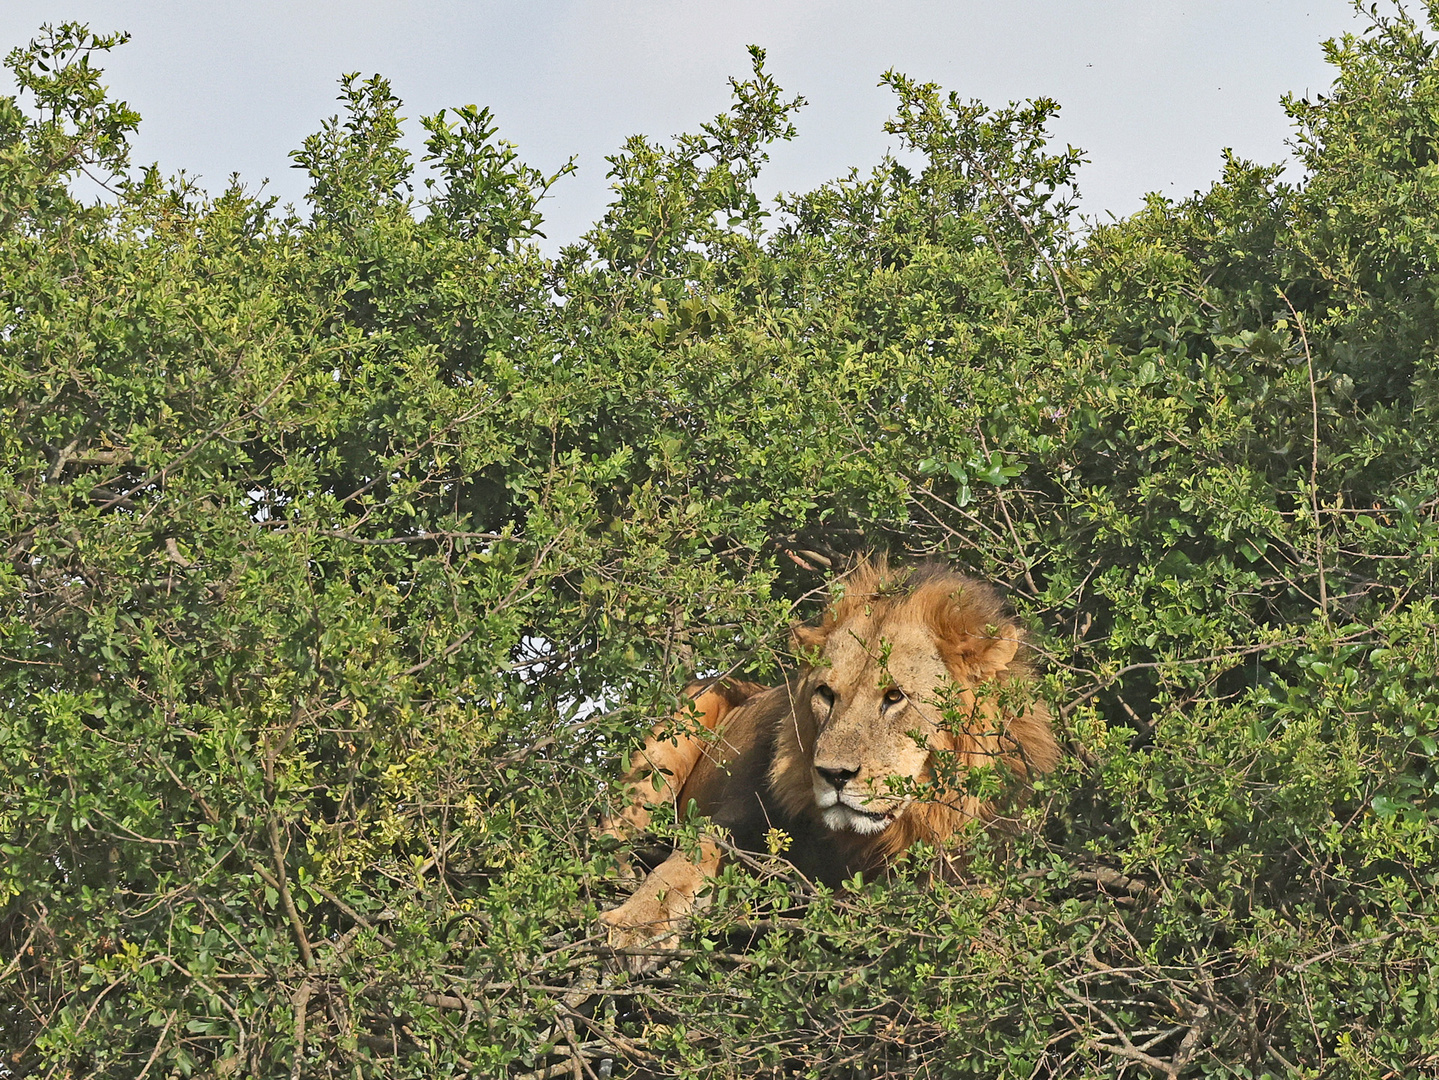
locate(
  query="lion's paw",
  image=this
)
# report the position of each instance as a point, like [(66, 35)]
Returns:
[(643, 929), (648, 926), (640, 946)]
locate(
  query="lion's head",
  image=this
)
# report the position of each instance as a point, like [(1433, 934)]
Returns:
[(915, 678)]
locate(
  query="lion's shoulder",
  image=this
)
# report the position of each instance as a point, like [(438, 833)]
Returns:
[(727, 783)]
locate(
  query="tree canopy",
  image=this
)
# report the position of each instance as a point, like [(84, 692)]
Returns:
[(350, 550)]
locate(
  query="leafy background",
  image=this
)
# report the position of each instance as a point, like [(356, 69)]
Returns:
[(349, 551)]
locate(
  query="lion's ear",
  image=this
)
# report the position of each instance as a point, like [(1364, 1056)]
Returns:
[(982, 651), (976, 639), (994, 649), (805, 639)]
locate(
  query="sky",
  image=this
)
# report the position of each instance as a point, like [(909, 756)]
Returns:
[(1151, 90)]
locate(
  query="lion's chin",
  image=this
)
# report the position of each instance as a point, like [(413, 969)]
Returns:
[(840, 817)]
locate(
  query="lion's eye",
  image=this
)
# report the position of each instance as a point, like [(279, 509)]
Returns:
[(893, 696), (823, 699)]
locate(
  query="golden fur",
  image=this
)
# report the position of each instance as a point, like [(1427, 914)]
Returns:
[(668, 756), (912, 679)]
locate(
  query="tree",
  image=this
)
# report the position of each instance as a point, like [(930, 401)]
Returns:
[(348, 555)]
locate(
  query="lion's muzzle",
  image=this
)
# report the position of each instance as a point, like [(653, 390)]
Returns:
[(841, 809)]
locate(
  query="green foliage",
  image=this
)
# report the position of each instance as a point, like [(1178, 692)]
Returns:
[(348, 555), (72, 127)]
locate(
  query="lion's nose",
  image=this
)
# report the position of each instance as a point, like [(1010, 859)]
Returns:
[(837, 777)]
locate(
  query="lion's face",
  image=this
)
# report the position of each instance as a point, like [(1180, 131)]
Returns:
[(875, 697), (890, 663)]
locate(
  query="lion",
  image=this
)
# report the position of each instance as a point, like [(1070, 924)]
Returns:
[(853, 757)]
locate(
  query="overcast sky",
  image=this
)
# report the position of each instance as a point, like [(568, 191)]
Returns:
[(1152, 90)]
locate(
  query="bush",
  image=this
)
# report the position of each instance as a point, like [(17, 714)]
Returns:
[(349, 553)]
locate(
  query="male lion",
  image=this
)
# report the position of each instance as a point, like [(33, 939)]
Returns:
[(853, 757)]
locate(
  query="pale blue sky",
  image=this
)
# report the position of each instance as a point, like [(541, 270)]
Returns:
[(1152, 90)]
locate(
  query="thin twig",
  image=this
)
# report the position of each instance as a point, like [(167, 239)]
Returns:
[(301, 1002), (1313, 461), (159, 1043), (1191, 661)]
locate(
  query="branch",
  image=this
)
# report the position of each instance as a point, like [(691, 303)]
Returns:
[(282, 886)]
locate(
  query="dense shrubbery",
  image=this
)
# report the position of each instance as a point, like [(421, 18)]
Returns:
[(348, 552)]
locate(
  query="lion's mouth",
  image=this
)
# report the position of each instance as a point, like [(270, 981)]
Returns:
[(873, 815), (842, 815), (843, 818)]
